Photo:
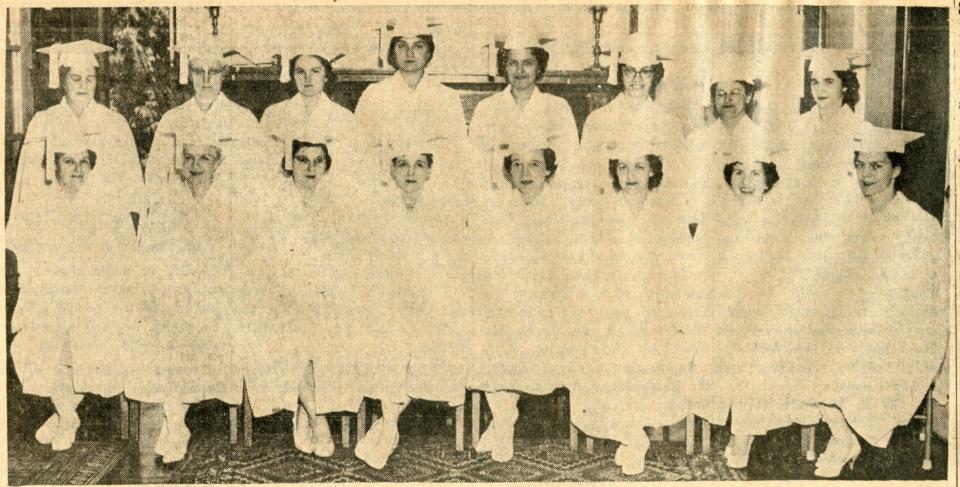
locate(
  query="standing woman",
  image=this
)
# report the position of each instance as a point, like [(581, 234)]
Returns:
[(409, 105), (639, 247), (532, 262), (881, 346), (522, 106), (633, 113), (310, 111), (78, 180)]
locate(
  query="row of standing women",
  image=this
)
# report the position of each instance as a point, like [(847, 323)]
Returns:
[(321, 256)]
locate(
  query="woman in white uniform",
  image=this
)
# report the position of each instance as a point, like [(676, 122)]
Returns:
[(410, 105), (203, 178), (732, 86), (426, 271), (78, 180), (881, 346), (634, 113), (640, 246), (523, 62), (532, 251)]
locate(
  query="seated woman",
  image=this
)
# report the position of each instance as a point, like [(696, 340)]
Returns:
[(422, 210), (875, 367), (530, 246), (74, 243), (639, 246), (200, 245), (736, 341)]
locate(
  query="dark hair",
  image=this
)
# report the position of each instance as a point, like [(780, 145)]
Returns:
[(331, 76), (539, 53), (770, 174), (748, 90), (658, 73), (850, 89), (90, 153), (428, 156), (896, 160), (656, 165), (300, 144), (392, 58), (549, 158)]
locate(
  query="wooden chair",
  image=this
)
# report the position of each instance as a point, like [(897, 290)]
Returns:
[(658, 435)]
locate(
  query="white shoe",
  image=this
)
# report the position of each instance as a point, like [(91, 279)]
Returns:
[(66, 432), (486, 442), (302, 436), (634, 456), (179, 439), (618, 456), (735, 458), (369, 443), (838, 454), (48, 430), (163, 440), (323, 445), (503, 447), (377, 451)]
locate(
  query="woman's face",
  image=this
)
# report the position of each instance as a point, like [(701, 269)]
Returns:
[(200, 162), (80, 85), (521, 68), (634, 175), (72, 169), (309, 75), (731, 99), (637, 81), (875, 173), (827, 89), (410, 174), (528, 173), (748, 182), (411, 54), (206, 76), (309, 165)]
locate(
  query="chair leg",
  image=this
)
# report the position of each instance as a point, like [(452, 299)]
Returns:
[(124, 418), (459, 427), (474, 418), (706, 436), (247, 419), (657, 434), (134, 421), (589, 445), (362, 419), (691, 422), (811, 442), (234, 424), (574, 437), (345, 431), (928, 431)]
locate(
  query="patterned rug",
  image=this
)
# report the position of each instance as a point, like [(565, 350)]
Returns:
[(31, 463), (272, 458)]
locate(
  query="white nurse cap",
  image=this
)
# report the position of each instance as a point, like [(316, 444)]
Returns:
[(77, 54), (878, 139), (829, 60), (291, 52), (634, 50)]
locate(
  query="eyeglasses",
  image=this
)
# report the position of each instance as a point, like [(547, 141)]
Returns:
[(629, 72)]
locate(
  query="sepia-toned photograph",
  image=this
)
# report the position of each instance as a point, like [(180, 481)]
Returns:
[(479, 243)]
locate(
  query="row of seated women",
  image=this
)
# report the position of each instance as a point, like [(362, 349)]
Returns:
[(319, 259)]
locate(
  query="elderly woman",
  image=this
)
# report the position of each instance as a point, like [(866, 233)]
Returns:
[(523, 62), (310, 112), (529, 281), (736, 342), (422, 210), (409, 105), (875, 367), (78, 180), (640, 245), (633, 113)]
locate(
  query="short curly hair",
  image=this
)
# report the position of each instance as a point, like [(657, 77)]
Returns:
[(392, 56), (327, 67), (299, 144), (658, 73), (541, 55), (770, 174), (549, 159), (653, 182)]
